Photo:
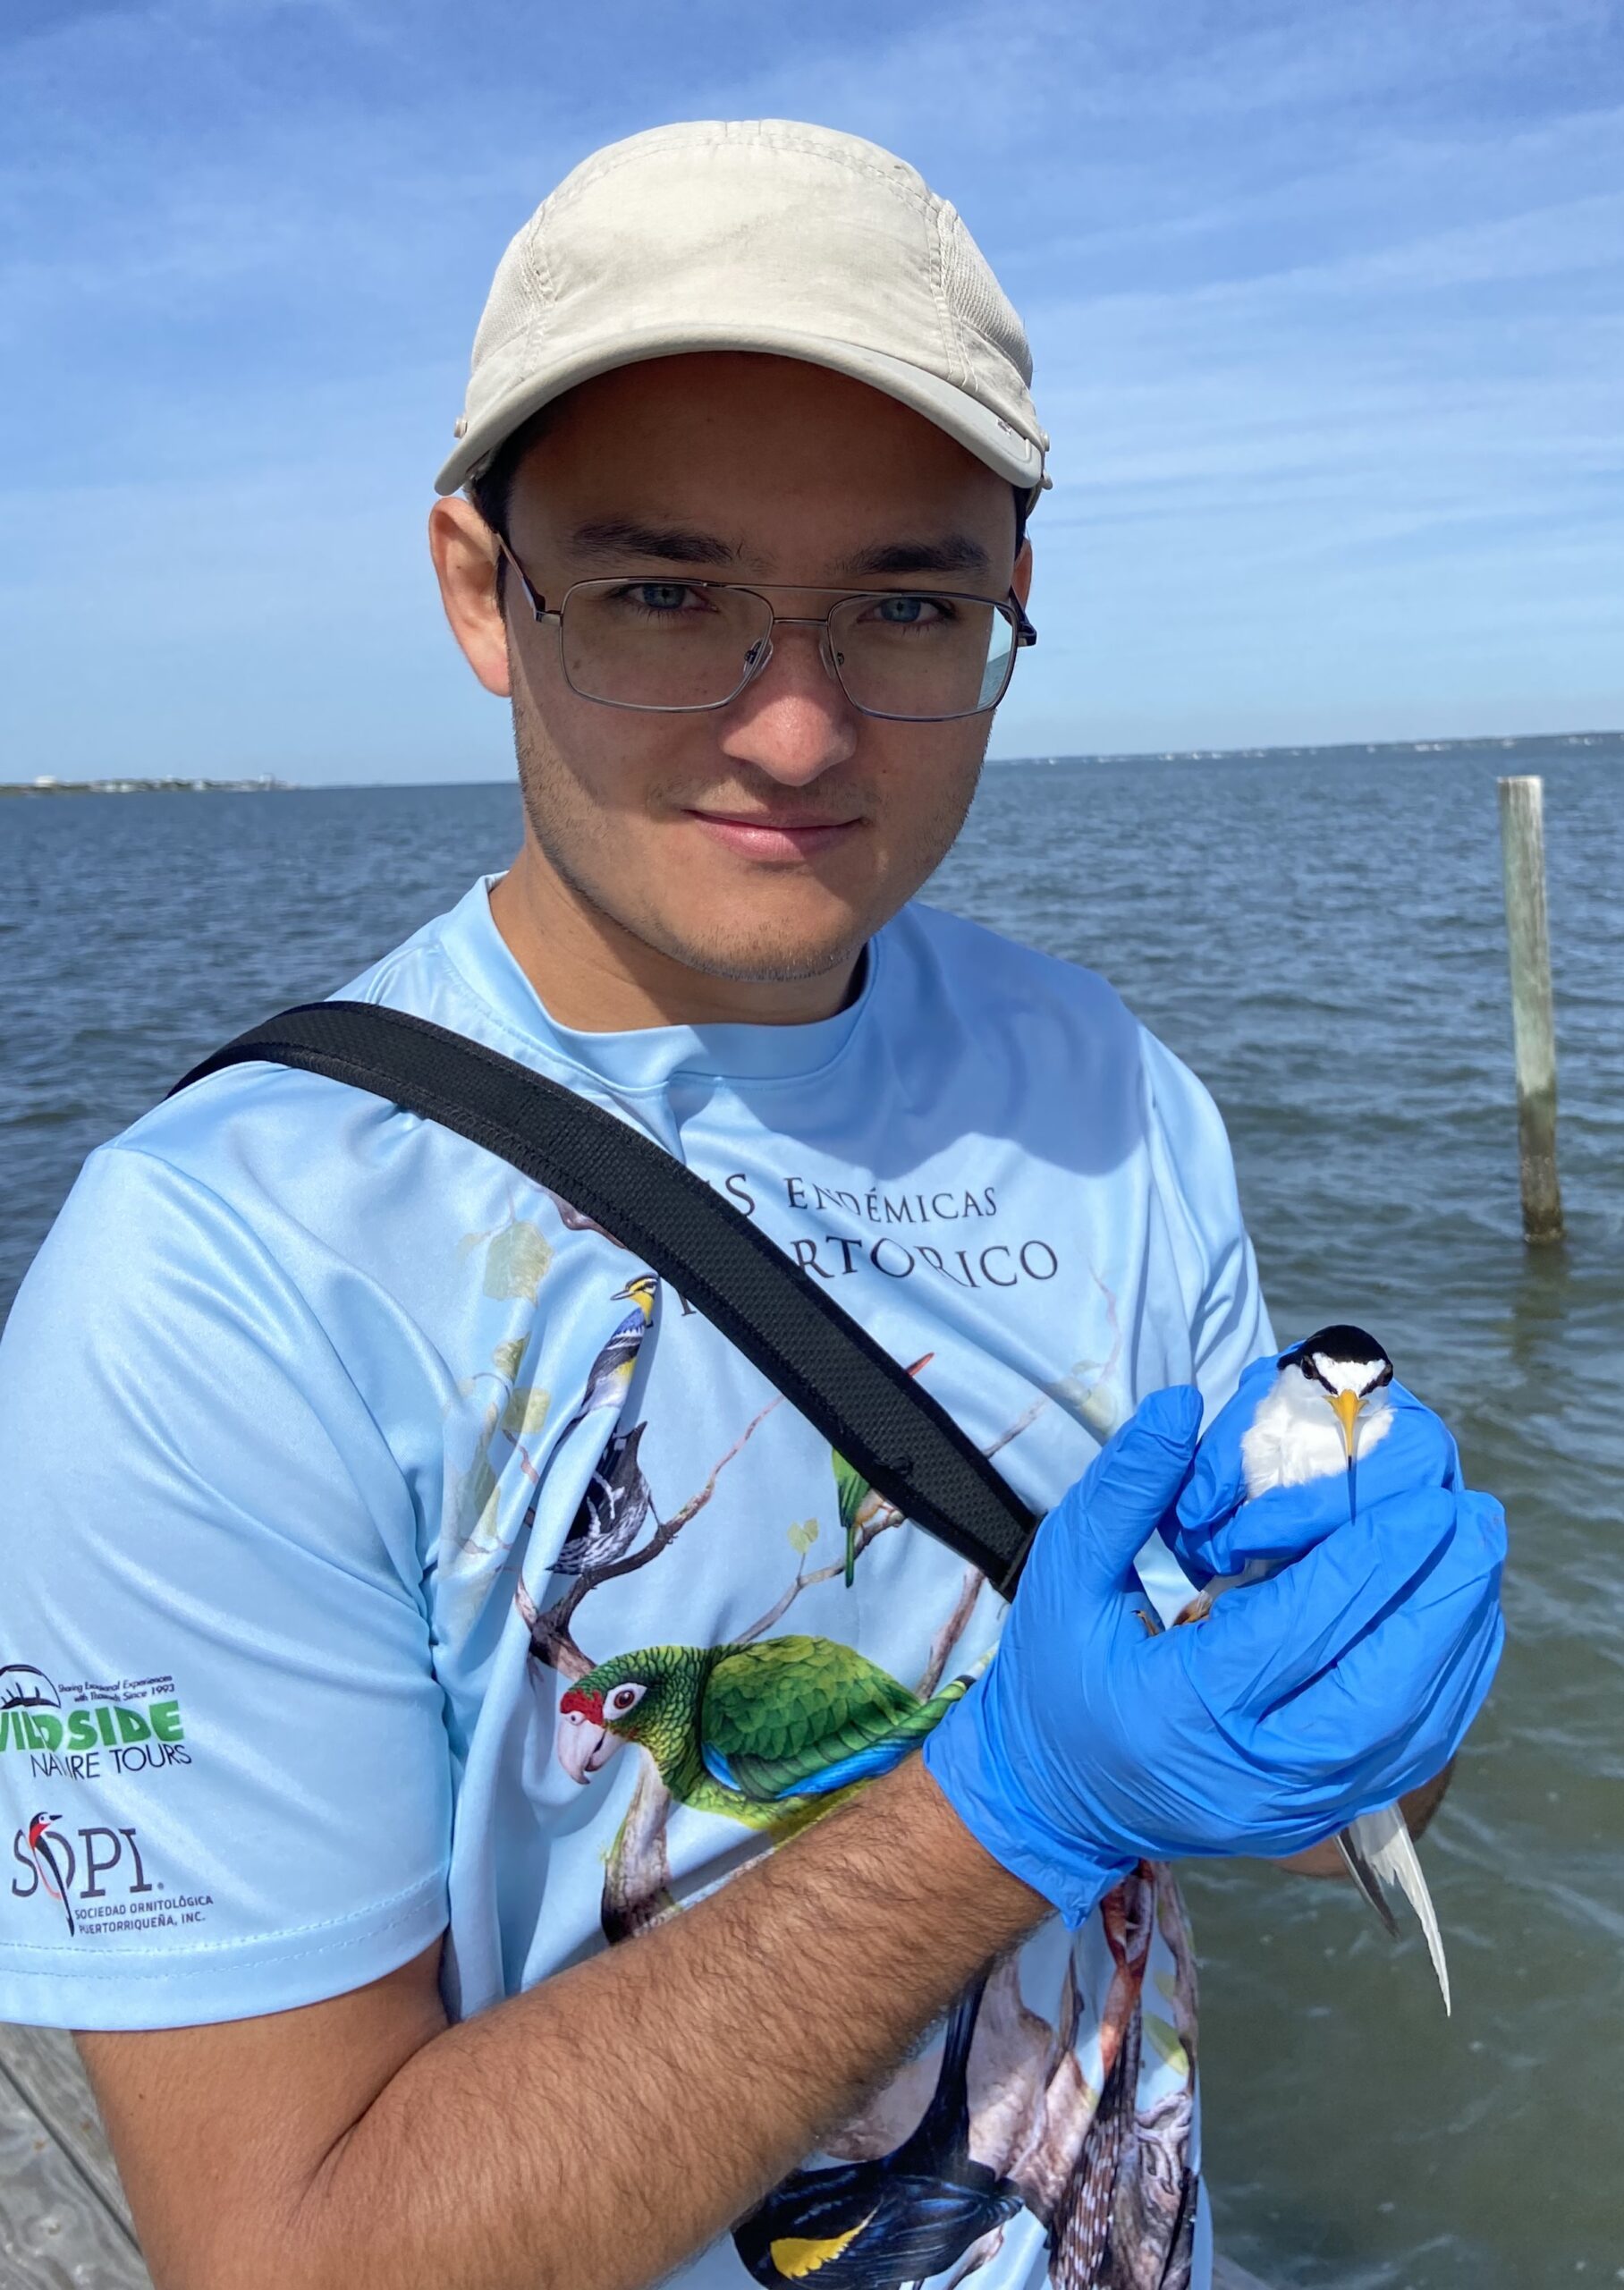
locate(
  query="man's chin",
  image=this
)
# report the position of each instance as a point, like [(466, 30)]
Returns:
[(761, 957)]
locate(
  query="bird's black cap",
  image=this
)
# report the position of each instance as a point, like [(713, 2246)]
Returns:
[(1341, 1341)]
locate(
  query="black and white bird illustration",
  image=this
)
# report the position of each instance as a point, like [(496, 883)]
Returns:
[(1327, 1408), (613, 1510)]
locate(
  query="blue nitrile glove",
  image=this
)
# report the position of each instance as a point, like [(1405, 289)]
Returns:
[(1088, 1744), (1217, 1532)]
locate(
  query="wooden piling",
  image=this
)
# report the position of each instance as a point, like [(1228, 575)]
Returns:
[(1522, 842)]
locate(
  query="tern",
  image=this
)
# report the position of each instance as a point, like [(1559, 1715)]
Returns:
[(1326, 1409)]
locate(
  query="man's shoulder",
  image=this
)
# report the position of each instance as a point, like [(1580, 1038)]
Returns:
[(1058, 1023), (223, 1133), (988, 972)]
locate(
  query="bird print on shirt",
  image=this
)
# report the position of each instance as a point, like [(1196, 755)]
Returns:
[(851, 1491), (609, 1379), (899, 2217), (613, 1509), (767, 1734)]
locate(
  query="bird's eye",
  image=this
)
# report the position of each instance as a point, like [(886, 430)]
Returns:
[(624, 1699), (1309, 1371)]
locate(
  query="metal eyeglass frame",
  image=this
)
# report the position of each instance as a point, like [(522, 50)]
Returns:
[(760, 653)]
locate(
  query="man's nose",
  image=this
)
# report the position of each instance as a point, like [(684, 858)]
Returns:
[(791, 720)]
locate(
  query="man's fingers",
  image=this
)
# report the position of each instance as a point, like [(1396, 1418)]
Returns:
[(1213, 1537), (1217, 1485), (1272, 1640), (1445, 1640), (1131, 1486), (1327, 1732)]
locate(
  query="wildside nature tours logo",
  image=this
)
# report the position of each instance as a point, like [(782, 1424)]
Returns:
[(82, 1731)]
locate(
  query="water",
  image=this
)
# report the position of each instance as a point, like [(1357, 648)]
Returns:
[(1321, 937)]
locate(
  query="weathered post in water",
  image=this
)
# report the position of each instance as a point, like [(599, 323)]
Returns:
[(1522, 843)]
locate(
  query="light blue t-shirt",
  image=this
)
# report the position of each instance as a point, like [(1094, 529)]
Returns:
[(385, 1552)]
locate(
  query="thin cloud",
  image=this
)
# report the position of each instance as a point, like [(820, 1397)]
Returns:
[(1324, 303)]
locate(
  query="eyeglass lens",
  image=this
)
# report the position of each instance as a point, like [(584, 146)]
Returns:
[(680, 644)]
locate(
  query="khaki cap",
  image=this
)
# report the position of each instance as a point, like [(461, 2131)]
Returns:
[(762, 235)]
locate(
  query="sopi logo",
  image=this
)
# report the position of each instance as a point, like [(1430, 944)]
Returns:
[(97, 1878), (53, 1865)]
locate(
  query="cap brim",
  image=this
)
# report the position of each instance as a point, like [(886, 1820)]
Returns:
[(1016, 457)]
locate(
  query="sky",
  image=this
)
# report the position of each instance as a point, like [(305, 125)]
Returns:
[(1326, 300)]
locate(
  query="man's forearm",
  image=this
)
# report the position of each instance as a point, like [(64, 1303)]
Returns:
[(607, 2122)]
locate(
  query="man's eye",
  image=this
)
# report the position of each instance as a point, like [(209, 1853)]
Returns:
[(658, 595), (908, 612)]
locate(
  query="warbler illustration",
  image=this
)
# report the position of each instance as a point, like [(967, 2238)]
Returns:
[(613, 1510), (764, 1733), (610, 1377), (899, 2217)]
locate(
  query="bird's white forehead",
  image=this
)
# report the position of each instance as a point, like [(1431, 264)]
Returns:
[(1346, 1375)]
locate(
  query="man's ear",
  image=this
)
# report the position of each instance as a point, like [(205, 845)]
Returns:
[(464, 552), (1020, 580)]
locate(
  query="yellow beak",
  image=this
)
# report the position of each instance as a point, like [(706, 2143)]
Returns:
[(1346, 1406)]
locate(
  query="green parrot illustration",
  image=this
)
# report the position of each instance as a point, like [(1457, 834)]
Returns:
[(768, 1735), (852, 1490)]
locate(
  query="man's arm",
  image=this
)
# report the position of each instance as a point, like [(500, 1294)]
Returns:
[(619, 2115), (595, 2129), (1419, 1807)]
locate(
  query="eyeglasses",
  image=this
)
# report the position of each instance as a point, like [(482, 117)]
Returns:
[(677, 646)]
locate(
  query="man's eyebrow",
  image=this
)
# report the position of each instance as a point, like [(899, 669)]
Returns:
[(670, 544), (948, 553)]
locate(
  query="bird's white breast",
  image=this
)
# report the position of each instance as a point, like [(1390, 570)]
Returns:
[(1294, 1437)]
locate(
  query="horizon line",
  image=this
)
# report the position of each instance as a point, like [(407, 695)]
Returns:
[(268, 783)]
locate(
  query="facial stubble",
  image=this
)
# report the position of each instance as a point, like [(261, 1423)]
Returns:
[(576, 836)]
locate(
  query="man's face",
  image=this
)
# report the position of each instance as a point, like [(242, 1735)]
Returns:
[(769, 838)]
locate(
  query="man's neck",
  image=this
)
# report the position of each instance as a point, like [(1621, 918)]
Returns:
[(594, 976)]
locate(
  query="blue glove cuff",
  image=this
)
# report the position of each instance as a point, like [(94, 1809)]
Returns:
[(967, 1757)]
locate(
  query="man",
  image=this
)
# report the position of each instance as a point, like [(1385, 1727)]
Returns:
[(413, 1594)]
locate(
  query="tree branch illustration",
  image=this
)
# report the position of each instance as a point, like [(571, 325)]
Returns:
[(876, 1517), (576, 1220), (942, 1644), (636, 1872)]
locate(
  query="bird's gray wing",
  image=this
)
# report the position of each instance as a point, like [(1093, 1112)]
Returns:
[(1387, 1855), (1364, 1876)]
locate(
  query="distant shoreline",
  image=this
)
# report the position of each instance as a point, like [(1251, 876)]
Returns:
[(1513, 744), (49, 786), (1506, 742)]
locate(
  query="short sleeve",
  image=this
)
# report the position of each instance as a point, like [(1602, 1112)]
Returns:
[(1229, 1321), (225, 1783)]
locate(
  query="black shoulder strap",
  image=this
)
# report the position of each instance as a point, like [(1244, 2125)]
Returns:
[(904, 1443)]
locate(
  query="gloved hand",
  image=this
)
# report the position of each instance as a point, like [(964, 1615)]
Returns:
[(1088, 1744), (1217, 1532)]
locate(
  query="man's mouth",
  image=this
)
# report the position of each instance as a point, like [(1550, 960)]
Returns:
[(775, 837)]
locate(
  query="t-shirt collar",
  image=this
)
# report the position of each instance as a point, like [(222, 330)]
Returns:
[(645, 1057)]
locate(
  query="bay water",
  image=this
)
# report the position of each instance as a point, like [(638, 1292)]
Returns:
[(1320, 935)]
